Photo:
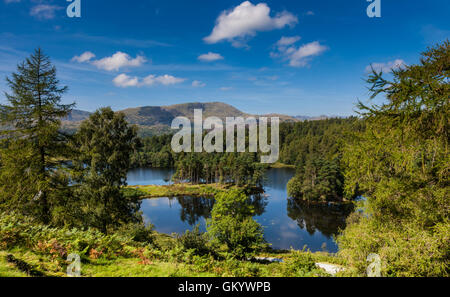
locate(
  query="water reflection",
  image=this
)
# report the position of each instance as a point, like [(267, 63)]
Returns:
[(192, 209), (327, 219), (195, 208), (286, 222)]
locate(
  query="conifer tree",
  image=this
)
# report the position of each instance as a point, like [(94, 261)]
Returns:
[(32, 145)]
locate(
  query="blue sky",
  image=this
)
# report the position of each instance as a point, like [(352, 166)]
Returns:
[(299, 57)]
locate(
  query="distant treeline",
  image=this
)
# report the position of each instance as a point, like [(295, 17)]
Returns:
[(314, 147), (237, 168)]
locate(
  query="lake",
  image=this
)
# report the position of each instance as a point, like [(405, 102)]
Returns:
[(287, 223)]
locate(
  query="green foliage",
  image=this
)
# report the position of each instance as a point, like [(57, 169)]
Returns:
[(138, 232), (195, 241), (232, 224), (104, 144), (401, 164), (32, 147), (302, 263), (318, 181), (19, 231), (155, 152), (241, 169), (315, 148)]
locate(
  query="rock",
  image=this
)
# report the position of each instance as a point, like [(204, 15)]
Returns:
[(330, 268)]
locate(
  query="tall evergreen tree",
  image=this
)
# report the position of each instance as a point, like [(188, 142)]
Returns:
[(32, 143), (401, 164)]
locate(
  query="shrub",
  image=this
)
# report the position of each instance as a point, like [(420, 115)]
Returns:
[(405, 251), (302, 263), (196, 241), (138, 232)]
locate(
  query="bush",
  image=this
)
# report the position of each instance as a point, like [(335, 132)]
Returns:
[(138, 232), (405, 251), (196, 241), (302, 264)]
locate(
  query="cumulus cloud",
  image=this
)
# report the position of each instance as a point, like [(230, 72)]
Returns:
[(198, 84), (119, 60), (166, 80), (386, 67), (245, 20), (84, 57), (297, 56), (210, 57), (44, 11), (124, 81)]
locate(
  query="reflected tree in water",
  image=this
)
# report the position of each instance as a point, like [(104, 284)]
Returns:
[(194, 208), (328, 219)]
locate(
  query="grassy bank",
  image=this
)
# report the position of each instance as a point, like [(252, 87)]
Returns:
[(28, 248), (183, 189), (282, 165)]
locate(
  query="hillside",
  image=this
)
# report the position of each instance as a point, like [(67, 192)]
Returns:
[(157, 119)]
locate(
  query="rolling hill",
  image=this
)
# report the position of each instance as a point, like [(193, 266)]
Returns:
[(153, 120)]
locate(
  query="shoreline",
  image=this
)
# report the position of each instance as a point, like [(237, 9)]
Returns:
[(189, 189)]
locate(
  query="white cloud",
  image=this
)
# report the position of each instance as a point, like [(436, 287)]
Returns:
[(11, 1), (163, 80), (225, 88), (198, 84), (245, 20), (210, 57), (310, 13), (386, 67), (286, 41), (123, 80), (297, 56), (119, 60), (84, 57), (44, 11)]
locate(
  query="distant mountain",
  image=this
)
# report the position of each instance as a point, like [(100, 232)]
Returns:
[(308, 118), (163, 115), (157, 119), (77, 116)]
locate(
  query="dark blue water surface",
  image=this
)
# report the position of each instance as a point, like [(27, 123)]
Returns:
[(287, 223)]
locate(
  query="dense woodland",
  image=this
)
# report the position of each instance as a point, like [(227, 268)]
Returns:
[(242, 169)]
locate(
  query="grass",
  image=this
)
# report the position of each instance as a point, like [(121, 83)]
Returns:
[(133, 267), (281, 165), (183, 189), (165, 261)]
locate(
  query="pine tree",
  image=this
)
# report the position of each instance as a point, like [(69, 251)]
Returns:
[(401, 165), (32, 143)]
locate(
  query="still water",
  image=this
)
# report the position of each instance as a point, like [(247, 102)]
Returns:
[(287, 223)]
